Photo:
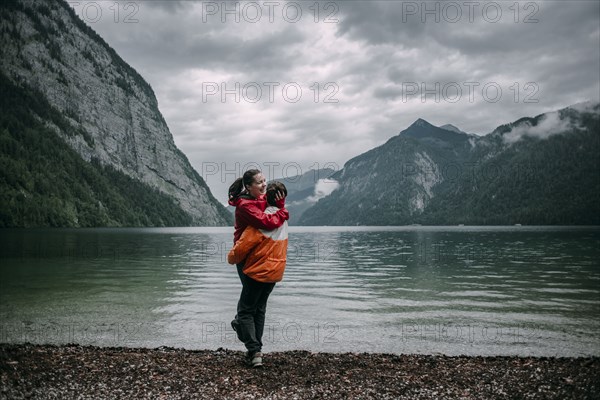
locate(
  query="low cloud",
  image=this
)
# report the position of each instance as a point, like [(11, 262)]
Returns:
[(550, 124), (323, 188)]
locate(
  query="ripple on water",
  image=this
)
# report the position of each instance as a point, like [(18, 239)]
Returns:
[(367, 285), (477, 293)]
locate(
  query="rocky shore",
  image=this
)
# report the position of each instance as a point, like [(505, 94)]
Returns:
[(77, 372)]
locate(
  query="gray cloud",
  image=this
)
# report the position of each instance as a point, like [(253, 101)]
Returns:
[(170, 49), (388, 92), (171, 6), (378, 22), (371, 54)]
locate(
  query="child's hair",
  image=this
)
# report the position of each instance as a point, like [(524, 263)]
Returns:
[(272, 189), (239, 185)]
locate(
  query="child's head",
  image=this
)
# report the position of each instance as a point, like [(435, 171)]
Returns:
[(272, 189)]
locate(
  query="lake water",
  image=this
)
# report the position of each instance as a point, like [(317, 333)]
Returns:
[(450, 290)]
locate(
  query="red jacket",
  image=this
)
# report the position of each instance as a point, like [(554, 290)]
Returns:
[(264, 252), (251, 212)]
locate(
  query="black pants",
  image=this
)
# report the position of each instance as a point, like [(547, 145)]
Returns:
[(251, 310)]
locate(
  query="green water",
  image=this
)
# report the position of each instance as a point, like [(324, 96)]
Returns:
[(451, 290)]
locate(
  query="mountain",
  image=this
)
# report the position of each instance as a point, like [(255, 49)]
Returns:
[(305, 190), (451, 128), (541, 170), (391, 183), (83, 134)]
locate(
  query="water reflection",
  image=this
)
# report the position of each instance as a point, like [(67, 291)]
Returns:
[(471, 290)]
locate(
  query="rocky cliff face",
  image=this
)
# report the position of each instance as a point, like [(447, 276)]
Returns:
[(45, 46)]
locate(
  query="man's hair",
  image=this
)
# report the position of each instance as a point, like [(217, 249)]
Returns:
[(272, 189)]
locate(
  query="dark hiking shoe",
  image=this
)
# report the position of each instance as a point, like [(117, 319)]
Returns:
[(235, 325), (257, 360), (254, 360)]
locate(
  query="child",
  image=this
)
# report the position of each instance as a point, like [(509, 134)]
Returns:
[(263, 254)]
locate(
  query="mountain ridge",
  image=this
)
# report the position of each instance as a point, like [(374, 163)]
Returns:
[(110, 111), (429, 175)]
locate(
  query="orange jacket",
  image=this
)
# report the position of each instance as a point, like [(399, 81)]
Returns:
[(265, 252)]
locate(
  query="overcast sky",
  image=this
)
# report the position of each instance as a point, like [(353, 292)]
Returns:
[(288, 86)]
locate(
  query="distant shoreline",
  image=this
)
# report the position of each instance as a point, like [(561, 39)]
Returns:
[(308, 228), (73, 371)]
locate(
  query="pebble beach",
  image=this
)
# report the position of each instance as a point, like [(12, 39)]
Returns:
[(86, 372)]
